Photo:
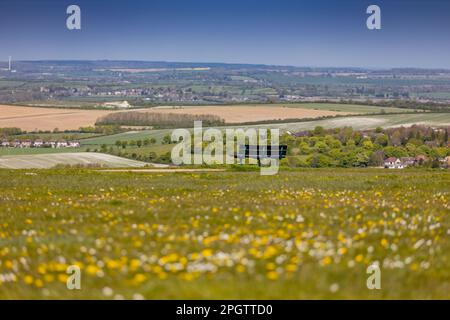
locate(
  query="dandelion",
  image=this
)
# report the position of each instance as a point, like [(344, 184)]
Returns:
[(272, 275)]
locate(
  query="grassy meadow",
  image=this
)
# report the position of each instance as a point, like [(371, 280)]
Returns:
[(300, 234)]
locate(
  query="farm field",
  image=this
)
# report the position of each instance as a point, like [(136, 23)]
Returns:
[(40, 118), (334, 107), (239, 114), (369, 122), (46, 161), (32, 151), (359, 122), (349, 108), (35, 118), (301, 234)]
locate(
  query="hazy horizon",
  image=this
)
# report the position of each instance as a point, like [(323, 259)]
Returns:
[(231, 63), (319, 33)]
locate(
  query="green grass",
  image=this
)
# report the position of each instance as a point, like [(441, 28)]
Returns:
[(127, 136), (368, 122), (353, 108), (233, 235)]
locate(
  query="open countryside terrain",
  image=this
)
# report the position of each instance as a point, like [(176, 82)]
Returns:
[(239, 114), (36, 118), (47, 161), (357, 122), (39, 118), (304, 234)]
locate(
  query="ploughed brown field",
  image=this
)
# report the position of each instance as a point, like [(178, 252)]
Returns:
[(239, 114), (38, 118), (35, 118)]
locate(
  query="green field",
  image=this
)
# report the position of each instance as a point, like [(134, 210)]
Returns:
[(301, 234), (369, 122), (352, 108)]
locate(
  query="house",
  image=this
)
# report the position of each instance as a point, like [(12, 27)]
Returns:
[(393, 163), (73, 144), (16, 144), (444, 162), (408, 161), (26, 144), (51, 144), (61, 144), (5, 143), (420, 159), (38, 143), (447, 162)]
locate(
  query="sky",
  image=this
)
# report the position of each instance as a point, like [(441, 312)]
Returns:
[(321, 33)]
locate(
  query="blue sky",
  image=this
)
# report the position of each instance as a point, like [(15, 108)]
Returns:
[(282, 32)]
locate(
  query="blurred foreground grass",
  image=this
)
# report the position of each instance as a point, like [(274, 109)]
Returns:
[(301, 234)]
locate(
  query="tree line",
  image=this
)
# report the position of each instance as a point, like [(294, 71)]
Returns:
[(158, 120), (344, 147)]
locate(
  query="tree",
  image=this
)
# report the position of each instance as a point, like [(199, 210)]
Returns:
[(318, 131), (139, 143), (118, 143), (396, 138), (321, 147), (152, 156), (362, 159), (382, 140), (367, 144), (376, 159), (396, 152), (167, 139), (124, 144)]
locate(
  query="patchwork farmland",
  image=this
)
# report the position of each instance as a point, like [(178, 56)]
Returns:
[(39, 118)]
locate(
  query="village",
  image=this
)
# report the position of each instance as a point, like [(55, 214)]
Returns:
[(39, 143), (404, 162)]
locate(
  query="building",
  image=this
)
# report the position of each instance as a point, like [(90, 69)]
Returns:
[(408, 161), (26, 144), (51, 144), (420, 159), (38, 143), (73, 144), (393, 163), (61, 144), (15, 144)]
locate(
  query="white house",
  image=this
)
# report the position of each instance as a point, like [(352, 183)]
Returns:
[(393, 163), (61, 144), (38, 143), (26, 144), (74, 144)]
